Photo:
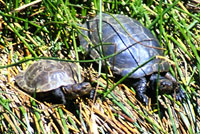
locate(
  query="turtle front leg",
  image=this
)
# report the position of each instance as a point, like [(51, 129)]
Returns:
[(141, 87), (59, 95)]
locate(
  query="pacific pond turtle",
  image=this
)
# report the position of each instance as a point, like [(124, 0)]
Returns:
[(137, 46), (57, 80)]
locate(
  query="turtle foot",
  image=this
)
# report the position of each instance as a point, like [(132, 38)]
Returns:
[(144, 99), (180, 95), (92, 94)]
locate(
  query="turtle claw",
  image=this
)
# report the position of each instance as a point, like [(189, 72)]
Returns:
[(144, 99), (92, 94), (180, 95)]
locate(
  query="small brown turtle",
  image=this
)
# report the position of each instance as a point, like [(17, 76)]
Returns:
[(57, 78)]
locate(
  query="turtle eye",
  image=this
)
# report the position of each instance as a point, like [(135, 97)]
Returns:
[(166, 85), (163, 86)]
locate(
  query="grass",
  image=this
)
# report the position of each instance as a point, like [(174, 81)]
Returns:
[(49, 30)]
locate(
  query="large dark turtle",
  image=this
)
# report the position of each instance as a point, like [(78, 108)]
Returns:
[(57, 78), (139, 46)]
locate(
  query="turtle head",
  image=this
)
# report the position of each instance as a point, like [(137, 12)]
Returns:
[(164, 85), (76, 90), (83, 88), (167, 84)]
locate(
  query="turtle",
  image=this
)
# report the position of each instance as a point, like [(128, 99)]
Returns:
[(56, 79), (133, 45)]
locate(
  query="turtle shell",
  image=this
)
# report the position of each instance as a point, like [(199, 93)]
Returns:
[(47, 75), (137, 45)]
